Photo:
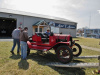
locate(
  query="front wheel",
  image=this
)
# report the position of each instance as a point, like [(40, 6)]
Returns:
[(28, 51), (77, 50), (64, 54)]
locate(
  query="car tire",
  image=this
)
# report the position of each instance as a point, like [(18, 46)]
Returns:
[(78, 50), (28, 50), (67, 54)]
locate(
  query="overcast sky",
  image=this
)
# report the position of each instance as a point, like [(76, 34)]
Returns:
[(84, 12)]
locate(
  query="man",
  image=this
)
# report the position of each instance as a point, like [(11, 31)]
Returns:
[(16, 37), (48, 32), (23, 42)]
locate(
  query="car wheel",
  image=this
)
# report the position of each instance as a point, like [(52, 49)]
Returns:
[(28, 51), (77, 50), (64, 54)]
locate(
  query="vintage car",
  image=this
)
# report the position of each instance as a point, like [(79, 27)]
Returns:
[(65, 48)]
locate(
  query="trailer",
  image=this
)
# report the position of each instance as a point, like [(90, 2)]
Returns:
[(79, 65)]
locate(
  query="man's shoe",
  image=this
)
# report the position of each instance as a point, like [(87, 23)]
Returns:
[(12, 52)]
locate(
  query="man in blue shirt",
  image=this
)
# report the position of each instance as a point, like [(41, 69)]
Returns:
[(48, 32)]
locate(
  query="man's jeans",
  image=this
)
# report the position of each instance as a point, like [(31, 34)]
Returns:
[(23, 49), (16, 41)]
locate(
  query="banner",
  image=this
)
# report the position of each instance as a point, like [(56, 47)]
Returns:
[(62, 25)]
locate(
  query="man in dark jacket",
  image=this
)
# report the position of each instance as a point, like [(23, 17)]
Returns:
[(23, 42)]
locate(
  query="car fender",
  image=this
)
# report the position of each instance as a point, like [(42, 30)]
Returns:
[(61, 43)]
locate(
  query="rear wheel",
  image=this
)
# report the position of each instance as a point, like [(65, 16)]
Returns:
[(28, 51), (64, 54), (77, 50)]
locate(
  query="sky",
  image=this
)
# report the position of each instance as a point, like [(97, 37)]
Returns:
[(85, 12)]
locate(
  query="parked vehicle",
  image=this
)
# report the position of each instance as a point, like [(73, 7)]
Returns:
[(64, 46)]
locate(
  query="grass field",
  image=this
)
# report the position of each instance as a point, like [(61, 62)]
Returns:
[(90, 42), (35, 63)]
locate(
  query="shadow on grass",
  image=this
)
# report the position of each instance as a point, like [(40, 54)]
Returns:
[(15, 56), (44, 59), (77, 61), (23, 64)]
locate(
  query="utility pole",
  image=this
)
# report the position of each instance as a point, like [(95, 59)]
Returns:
[(89, 20)]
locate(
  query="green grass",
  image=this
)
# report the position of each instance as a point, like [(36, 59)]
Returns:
[(90, 42), (35, 64)]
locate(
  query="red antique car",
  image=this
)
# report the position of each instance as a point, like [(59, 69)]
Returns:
[(62, 44)]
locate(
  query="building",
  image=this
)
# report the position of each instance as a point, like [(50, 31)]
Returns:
[(92, 33), (10, 19), (80, 32)]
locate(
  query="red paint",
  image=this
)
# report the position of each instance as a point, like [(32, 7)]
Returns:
[(38, 44)]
